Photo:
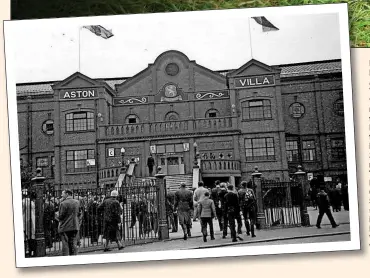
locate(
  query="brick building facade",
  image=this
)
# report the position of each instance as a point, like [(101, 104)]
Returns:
[(273, 117)]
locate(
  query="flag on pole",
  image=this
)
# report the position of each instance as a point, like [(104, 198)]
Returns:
[(99, 31), (266, 25)]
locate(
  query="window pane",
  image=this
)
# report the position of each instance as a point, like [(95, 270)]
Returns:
[(91, 154), (248, 143), (79, 115), (255, 103), (69, 155)]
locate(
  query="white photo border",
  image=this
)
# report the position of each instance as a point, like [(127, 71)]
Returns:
[(353, 244)]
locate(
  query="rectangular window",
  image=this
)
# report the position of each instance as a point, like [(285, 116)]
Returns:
[(256, 109), (77, 161), (80, 121), (260, 149), (309, 150), (338, 150), (292, 150)]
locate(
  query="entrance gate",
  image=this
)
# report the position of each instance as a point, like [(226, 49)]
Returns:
[(141, 216), (282, 203)]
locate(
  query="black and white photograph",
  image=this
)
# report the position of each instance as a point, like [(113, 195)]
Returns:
[(181, 135)]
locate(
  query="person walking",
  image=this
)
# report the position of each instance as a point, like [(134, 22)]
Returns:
[(170, 209), (248, 205), (183, 207), (92, 218), (215, 197), (198, 197), (69, 222), (112, 211), (206, 212), (324, 208), (221, 197), (232, 209)]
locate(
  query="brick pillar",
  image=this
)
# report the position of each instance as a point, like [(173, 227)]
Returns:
[(261, 218), (38, 185), (303, 182), (163, 232)]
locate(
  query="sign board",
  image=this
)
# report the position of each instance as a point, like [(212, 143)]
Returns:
[(78, 94), (111, 152), (90, 162), (186, 147), (153, 149), (254, 81), (328, 179), (309, 176)]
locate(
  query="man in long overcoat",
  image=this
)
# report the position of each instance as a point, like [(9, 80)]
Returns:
[(112, 211), (184, 206), (69, 223)]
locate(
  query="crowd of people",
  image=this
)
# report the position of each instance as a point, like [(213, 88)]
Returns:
[(73, 216), (90, 216), (223, 202)]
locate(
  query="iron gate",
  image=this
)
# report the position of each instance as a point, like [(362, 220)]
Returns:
[(282, 203), (139, 218)]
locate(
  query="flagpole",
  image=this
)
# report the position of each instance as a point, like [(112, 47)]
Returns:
[(79, 49), (250, 38)]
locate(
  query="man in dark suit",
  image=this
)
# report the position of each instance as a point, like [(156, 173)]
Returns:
[(68, 217), (324, 208), (215, 197), (184, 206), (232, 209), (150, 163)]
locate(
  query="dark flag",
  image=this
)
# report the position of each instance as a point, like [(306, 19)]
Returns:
[(266, 25), (99, 31)]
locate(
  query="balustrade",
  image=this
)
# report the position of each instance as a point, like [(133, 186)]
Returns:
[(158, 128)]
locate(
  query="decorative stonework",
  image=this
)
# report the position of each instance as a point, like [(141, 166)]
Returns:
[(130, 100), (172, 69), (221, 145), (212, 95)]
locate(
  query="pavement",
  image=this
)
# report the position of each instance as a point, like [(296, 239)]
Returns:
[(263, 237)]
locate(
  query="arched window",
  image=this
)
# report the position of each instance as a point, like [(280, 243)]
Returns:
[(171, 116), (212, 113), (256, 109), (80, 121), (339, 107), (132, 119)]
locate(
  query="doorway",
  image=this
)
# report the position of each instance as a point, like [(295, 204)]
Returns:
[(172, 165)]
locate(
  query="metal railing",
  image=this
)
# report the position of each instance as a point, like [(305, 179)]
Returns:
[(282, 202), (139, 218)]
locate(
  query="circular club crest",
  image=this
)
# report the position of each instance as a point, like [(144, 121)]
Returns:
[(297, 110), (172, 69), (170, 91)]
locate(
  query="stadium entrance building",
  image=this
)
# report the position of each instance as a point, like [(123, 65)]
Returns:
[(185, 115)]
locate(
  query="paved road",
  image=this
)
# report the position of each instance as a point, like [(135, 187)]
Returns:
[(341, 237)]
